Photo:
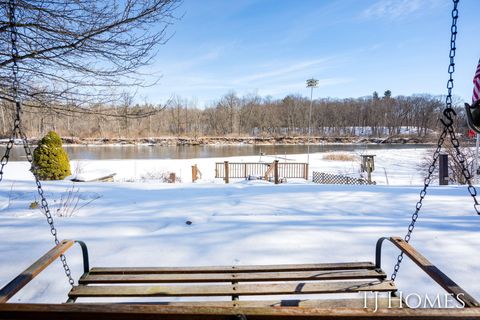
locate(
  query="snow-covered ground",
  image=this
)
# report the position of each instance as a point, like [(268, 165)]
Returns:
[(391, 166), (246, 222)]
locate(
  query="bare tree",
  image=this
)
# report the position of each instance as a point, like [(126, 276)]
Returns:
[(229, 104), (78, 52), (247, 115), (177, 107)]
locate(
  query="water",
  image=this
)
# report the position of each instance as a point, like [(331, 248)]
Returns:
[(208, 151)]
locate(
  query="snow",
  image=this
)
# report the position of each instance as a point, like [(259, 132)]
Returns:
[(246, 222), (381, 131)]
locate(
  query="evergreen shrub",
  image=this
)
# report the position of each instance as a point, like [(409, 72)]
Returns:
[(50, 160)]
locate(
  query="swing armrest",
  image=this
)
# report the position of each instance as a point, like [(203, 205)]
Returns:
[(38, 266), (436, 274)]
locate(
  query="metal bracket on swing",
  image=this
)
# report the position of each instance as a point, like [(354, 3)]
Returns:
[(473, 116)]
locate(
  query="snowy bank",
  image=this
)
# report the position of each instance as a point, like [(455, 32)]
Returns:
[(393, 167)]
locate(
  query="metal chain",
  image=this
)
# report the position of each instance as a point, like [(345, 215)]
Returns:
[(449, 113), (17, 131), (447, 121), (6, 155), (419, 203)]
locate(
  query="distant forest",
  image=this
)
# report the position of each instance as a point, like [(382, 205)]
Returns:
[(232, 115)]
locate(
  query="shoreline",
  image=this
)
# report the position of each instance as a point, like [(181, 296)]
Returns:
[(207, 141)]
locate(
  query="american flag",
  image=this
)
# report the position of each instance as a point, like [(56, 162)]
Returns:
[(476, 84), (476, 94)]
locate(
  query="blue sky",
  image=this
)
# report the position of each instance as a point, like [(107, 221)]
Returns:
[(354, 47)]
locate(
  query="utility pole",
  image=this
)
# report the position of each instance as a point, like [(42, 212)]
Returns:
[(311, 83)]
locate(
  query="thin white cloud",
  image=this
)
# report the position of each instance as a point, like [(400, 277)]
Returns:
[(396, 9), (194, 61), (281, 71), (275, 78)]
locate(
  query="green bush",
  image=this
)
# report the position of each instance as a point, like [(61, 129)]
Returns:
[(50, 161)]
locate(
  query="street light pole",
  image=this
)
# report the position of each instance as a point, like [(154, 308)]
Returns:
[(311, 83)]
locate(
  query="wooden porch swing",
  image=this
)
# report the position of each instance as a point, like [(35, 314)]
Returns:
[(226, 292), (236, 282)]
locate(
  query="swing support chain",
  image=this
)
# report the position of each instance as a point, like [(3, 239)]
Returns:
[(17, 132), (448, 120)]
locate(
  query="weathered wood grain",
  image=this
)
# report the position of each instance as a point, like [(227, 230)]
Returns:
[(31, 272), (132, 311), (229, 277), (235, 269), (436, 274), (381, 302), (229, 290)]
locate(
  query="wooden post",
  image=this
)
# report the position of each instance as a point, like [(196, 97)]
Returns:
[(306, 171), (194, 173), (443, 169), (368, 165), (226, 172), (275, 171), (245, 170)]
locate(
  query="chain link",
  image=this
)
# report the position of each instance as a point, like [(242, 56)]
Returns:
[(448, 120), (419, 203), (18, 132)]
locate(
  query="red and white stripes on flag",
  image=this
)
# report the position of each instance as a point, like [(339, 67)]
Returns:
[(476, 84)]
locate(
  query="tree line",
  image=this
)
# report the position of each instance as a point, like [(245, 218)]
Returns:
[(233, 115), (75, 58)]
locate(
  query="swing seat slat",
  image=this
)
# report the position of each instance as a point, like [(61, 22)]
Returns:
[(381, 302), (232, 277), (236, 269), (196, 290)]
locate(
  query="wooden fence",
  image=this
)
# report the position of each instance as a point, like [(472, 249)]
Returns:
[(269, 171), (327, 178), (240, 169)]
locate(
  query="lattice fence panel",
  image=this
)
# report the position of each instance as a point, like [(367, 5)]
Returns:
[(327, 178)]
